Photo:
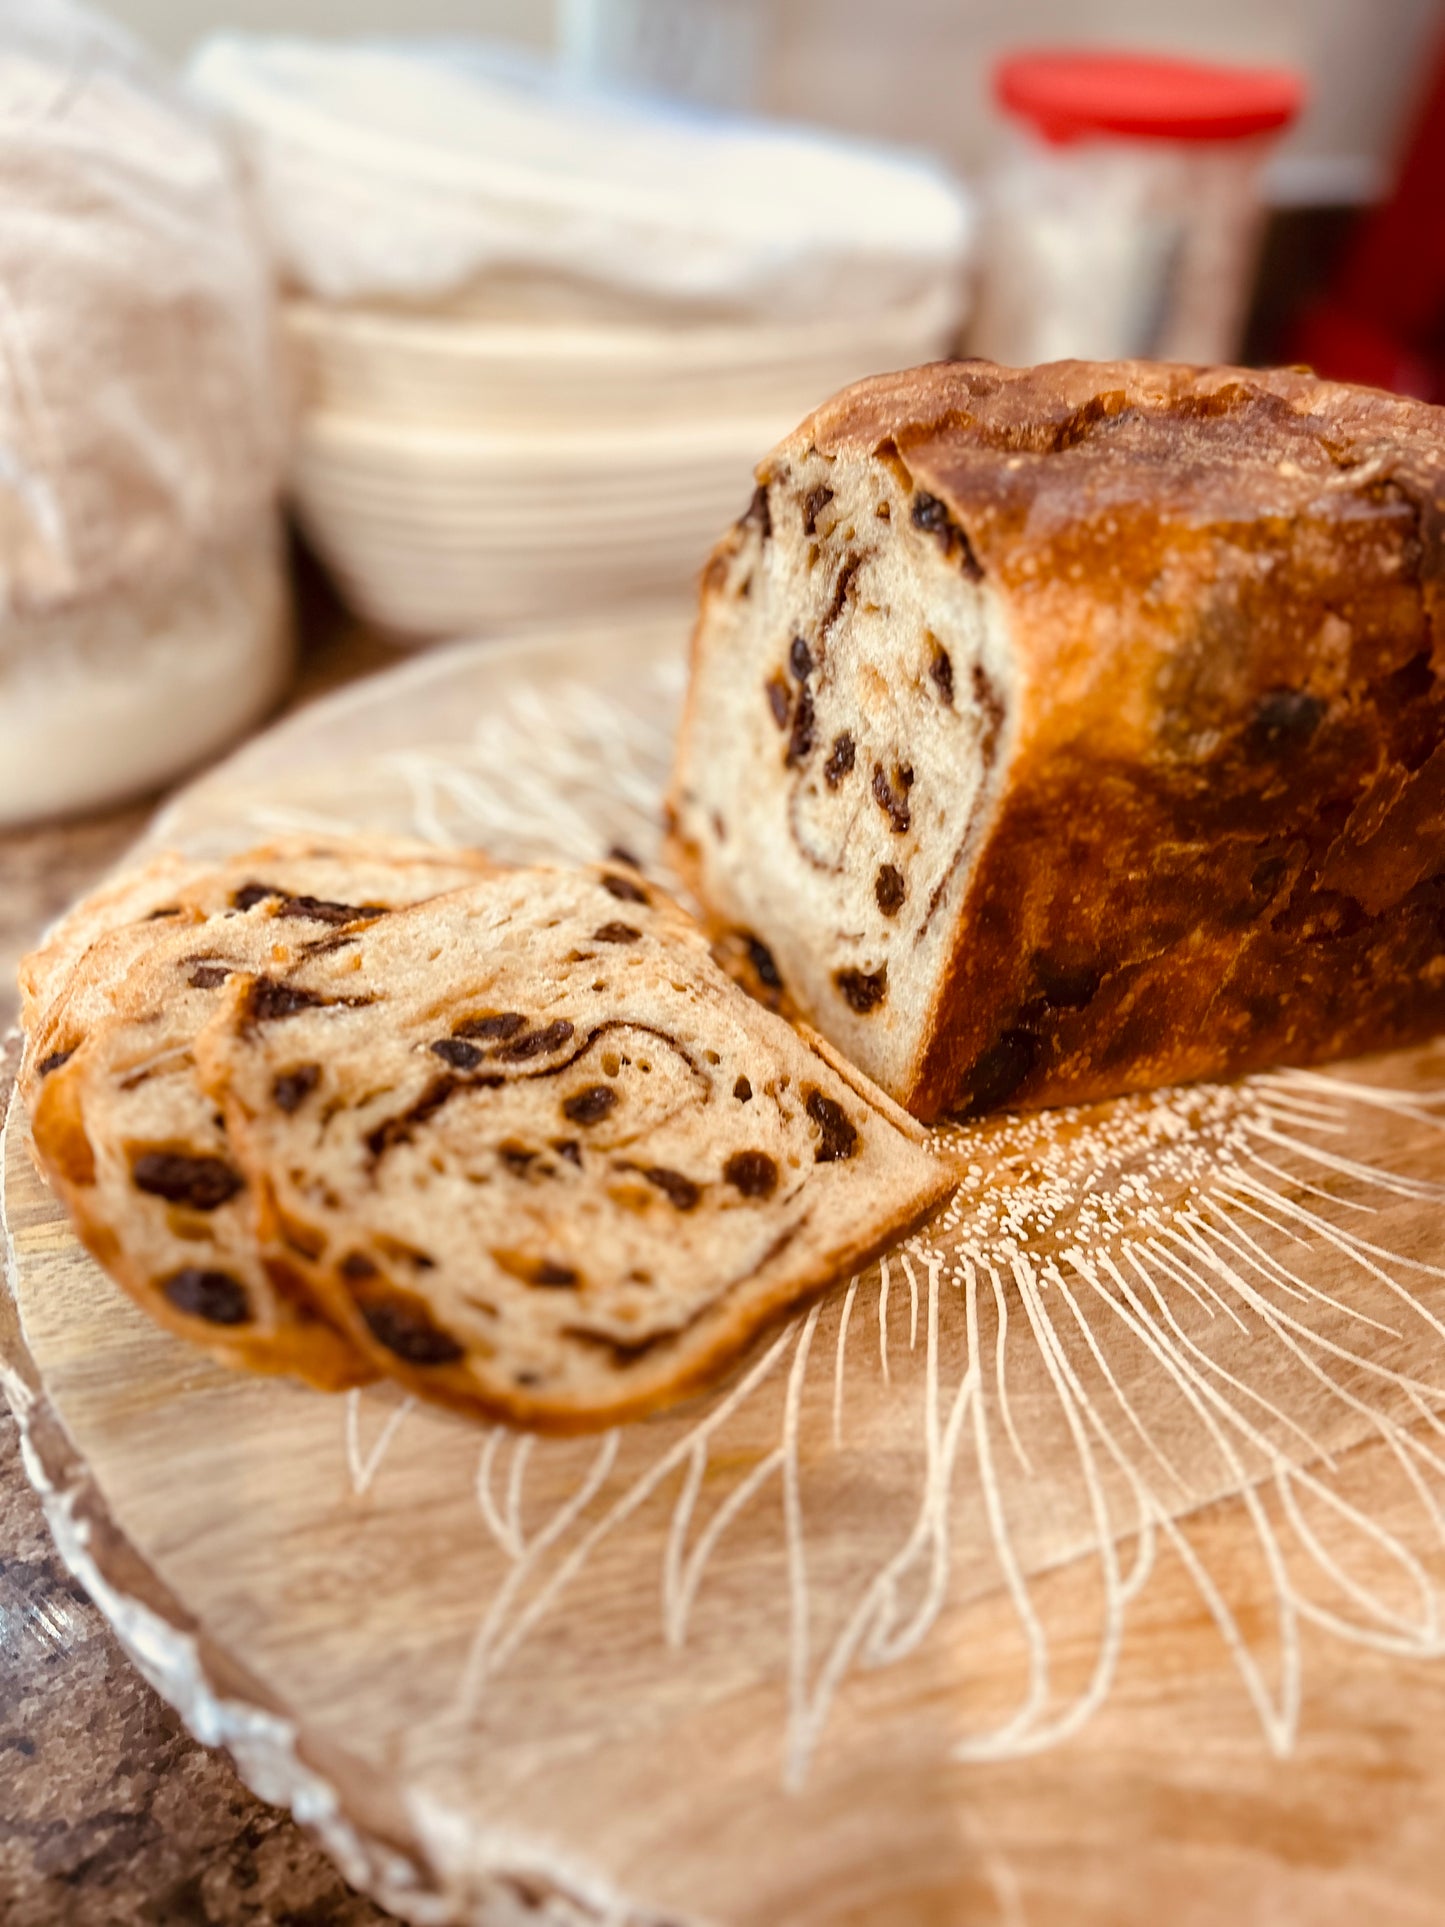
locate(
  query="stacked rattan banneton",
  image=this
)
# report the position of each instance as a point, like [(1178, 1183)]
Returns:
[(456, 473), (540, 339)]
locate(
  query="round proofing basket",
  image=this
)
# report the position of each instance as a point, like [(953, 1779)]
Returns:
[(457, 372), (432, 534)]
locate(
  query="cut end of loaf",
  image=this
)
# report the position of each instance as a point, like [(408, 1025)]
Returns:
[(851, 703)]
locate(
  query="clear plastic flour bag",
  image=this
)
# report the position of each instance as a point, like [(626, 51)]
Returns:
[(142, 601)]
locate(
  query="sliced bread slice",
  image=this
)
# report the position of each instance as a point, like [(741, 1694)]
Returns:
[(540, 1158), (122, 1129), (130, 1142), (327, 881)]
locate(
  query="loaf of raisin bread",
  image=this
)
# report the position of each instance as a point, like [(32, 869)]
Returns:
[(1054, 732), (539, 1157)]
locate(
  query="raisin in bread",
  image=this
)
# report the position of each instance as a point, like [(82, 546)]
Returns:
[(1065, 730), (541, 1158), (122, 1129)]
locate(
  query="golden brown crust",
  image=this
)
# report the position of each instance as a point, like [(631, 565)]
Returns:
[(1220, 838)]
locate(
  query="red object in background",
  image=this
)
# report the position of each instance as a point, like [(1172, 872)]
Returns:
[(1069, 95), (1383, 322)]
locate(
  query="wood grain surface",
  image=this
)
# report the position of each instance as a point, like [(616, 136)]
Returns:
[(1083, 1563)]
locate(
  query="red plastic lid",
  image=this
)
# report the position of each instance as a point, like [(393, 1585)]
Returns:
[(1070, 94)]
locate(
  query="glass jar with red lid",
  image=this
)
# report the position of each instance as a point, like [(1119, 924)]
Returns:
[(1122, 218)]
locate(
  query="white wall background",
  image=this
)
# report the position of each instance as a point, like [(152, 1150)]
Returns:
[(173, 26), (916, 70)]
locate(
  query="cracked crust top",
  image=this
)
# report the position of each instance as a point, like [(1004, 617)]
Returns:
[(1161, 490)]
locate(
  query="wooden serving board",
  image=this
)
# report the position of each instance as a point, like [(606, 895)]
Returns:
[(1084, 1562)]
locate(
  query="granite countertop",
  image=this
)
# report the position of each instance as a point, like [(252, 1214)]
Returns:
[(109, 1812)]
